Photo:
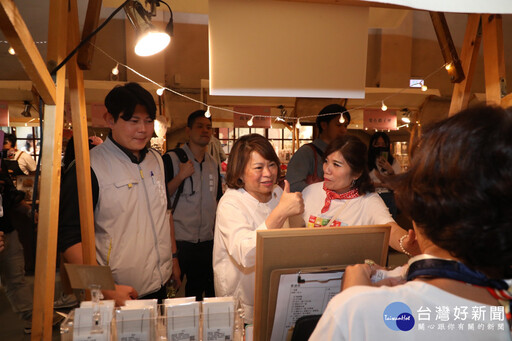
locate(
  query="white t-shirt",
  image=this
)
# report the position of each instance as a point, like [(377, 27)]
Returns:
[(239, 216), (359, 313), (368, 209), (25, 162)]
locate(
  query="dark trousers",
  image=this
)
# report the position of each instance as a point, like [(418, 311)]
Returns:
[(160, 295), (196, 263)]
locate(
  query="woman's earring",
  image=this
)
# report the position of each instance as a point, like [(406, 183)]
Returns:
[(353, 183)]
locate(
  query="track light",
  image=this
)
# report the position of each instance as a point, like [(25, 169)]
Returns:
[(207, 114), (406, 114), (149, 39), (26, 111)]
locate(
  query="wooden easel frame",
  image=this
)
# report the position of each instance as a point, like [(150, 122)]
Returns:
[(486, 27), (62, 20)]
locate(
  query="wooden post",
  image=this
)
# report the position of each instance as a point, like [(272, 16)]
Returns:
[(494, 60), (44, 287), (80, 136), (468, 56), (92, 19)]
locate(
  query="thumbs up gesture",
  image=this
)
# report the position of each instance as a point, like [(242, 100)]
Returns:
[(291, 202)]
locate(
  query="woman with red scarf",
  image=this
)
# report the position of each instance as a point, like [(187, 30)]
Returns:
[(346, 196)]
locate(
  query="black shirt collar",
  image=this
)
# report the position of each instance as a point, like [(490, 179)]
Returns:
[(133, 158)]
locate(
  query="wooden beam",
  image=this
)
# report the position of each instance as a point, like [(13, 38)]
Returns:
[(468, 56), (16, 32), (447, 47), (494, 59), (44, 282), (80, 136), (92, 18)]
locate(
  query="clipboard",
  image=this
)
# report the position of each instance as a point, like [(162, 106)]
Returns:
[(275, 277), (314, 247)]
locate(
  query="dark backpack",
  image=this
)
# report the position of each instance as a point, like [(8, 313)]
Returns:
[(182, 156)]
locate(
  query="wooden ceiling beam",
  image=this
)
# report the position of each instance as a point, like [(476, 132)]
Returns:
[(92, 19), (468, 56), (448, 49), (16, 32)]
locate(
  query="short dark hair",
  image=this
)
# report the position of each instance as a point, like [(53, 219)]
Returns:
[(194, 116), (458, 189), (241, 154), (335, 110), (124, 98), (354, 152), (11, 138)]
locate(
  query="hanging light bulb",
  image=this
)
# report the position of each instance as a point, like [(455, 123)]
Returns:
[(115, 70), (208, 114), (384, 107), (160, 91), (11, 51), (406, 119), (342, 119), (448, 66), (424, 87), (251, 121), (298, 124)]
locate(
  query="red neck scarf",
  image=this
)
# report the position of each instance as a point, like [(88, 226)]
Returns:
[(352, 194)]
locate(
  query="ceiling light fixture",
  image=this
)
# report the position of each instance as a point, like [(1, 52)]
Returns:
[(149, 39), (26, 110)]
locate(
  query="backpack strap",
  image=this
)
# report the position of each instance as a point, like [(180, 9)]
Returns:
[(182, 156), (316, 151)]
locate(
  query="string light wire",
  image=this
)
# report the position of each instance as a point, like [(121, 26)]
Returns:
[(277, 118)]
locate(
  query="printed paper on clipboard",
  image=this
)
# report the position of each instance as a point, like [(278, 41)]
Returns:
[(301, 294)]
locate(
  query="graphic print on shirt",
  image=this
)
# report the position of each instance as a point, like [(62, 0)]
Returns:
[(323, 220)]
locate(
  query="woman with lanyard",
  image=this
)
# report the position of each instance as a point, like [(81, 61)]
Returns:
[(458, 192), (346, 196)]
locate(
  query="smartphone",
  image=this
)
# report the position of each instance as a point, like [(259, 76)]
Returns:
[(384, 155)]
